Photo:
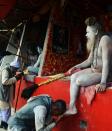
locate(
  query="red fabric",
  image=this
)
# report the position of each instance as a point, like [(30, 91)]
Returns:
[(54, 62), (5, 7)]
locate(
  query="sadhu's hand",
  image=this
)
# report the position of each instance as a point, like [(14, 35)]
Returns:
[(71, 70), (101, 87)]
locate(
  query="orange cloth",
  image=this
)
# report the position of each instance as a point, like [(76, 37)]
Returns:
[(90, 92)]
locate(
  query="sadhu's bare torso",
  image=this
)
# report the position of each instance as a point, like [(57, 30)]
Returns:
[(102, 54)]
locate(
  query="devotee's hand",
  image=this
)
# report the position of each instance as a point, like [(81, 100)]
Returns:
[(19, 76), (100, 87)]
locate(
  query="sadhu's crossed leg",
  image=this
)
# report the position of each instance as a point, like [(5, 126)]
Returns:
[(84, 78)]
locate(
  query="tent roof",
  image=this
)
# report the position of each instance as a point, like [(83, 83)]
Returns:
[(5, 7), (12, 12)]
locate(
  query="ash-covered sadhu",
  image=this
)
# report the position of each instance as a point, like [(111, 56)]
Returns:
[(97, 68)]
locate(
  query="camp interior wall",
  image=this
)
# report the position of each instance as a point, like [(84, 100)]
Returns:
[(58, 62)]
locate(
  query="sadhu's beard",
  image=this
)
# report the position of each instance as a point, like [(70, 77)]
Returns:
[(89, 44)]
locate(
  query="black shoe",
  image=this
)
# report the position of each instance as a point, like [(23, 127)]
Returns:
[(3, 125)]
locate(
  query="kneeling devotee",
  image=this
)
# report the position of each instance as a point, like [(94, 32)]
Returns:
[(37, 114)]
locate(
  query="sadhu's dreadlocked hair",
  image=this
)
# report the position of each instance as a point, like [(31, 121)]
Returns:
[(91, 21)]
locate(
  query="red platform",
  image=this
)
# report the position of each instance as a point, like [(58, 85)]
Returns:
[(94, 117)]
